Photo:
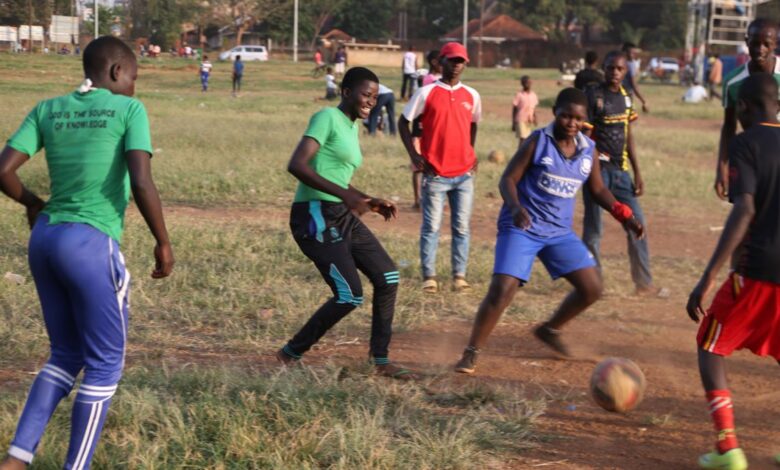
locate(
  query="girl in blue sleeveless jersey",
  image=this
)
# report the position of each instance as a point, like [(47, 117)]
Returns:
[(539, 187)]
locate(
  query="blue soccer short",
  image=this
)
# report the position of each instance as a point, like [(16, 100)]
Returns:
[(516, 250)]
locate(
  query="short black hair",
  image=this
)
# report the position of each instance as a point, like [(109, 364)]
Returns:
[(103, 52), (627, 46), (238, 57), (591, 57), (570, 95), (760, 24), (524, 78), (759, 89), (433, 55), (614, 55), (357, 75)]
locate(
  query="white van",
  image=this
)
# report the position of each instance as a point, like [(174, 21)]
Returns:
[(247, 53)]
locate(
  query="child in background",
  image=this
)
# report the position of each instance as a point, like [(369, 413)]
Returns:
[(238, 73), (205, 71), (524, 110), (331, 88)]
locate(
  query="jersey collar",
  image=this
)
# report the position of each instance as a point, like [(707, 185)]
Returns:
[(447, 87), (582, 141)]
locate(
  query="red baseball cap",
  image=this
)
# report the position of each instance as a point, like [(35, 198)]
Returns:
[(454, 49)]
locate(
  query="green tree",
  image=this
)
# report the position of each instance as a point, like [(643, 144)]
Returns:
[(106, 18), (363, 19), (556, 17), (651, 26)]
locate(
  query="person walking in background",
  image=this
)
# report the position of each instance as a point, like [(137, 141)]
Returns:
[(340, 61), (524, 110), (631, 80), (450, 112), (591, 75), (716, 76), (384, 100), (238, 73), (409, 69), (205, 72)]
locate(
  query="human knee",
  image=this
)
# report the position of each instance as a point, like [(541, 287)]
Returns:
[(591, 291), (501, 292)]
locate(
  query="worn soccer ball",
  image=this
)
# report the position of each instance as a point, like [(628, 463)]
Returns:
[(496, 156), (617, 384)]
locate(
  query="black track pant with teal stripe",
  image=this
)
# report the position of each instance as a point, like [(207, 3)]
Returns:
[(340, 245)]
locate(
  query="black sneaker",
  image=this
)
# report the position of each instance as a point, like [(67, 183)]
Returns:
[(552, 338), (468, 362)]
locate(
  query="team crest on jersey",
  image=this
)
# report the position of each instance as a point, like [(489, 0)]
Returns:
[(558, 185), (586, 166), (467, 105), (547, 161)]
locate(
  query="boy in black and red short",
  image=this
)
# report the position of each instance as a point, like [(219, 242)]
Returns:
[(745, 313)]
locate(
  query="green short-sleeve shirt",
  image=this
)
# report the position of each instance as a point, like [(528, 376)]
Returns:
[(733, 81), (339, 155), (86, 136)]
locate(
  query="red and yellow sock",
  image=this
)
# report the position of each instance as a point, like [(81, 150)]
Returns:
[(722, 412)]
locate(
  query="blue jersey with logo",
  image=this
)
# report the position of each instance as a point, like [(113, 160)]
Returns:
[(550, 184)]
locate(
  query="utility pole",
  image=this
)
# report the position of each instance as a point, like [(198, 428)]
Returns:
[(295, 32), (481, 24), (465, 22), (29, 26), (97, 18)]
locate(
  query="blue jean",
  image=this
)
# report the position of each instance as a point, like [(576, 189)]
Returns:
[(385, 100), (622, 187), (459, 190)]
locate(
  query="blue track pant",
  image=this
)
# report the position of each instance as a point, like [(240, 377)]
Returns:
[(83, 287)]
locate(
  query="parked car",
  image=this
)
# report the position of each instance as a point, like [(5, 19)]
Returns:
[(662, 68), (247, 53)]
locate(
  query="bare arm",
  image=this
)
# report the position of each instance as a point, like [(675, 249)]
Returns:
[(727, 132), (638, 94), (418, 160), (604, 197), (10, 161), (734, 232), (514, 118), (147, 199), (639, 184), (473, 133), (514, 172)]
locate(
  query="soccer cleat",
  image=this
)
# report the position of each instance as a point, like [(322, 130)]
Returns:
[(732, 460), (468, 362), (552, 338)]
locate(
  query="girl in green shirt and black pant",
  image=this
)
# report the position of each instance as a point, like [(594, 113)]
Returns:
[(326, 226)]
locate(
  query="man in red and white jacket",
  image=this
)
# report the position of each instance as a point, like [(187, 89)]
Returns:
[(449, 112)]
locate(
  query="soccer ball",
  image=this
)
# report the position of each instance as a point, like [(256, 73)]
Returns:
[(617, 384), (496, 156)]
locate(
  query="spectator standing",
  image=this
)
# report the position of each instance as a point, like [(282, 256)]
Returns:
[(409, 69)]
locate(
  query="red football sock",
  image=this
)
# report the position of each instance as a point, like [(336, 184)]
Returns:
[(722, 413)]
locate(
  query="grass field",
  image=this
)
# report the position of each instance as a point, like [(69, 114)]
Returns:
[(200, 388)]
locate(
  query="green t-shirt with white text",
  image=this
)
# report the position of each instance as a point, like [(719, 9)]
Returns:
[(86, 136), (339, 154)]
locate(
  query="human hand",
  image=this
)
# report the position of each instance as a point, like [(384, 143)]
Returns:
[(356, 202), (694, 307), (645, 109), (636, 227), (520, 218), (383, 207), (422, 164), (33, 211), (639, 185), (163, 256), (722, 180), (514, 126)]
